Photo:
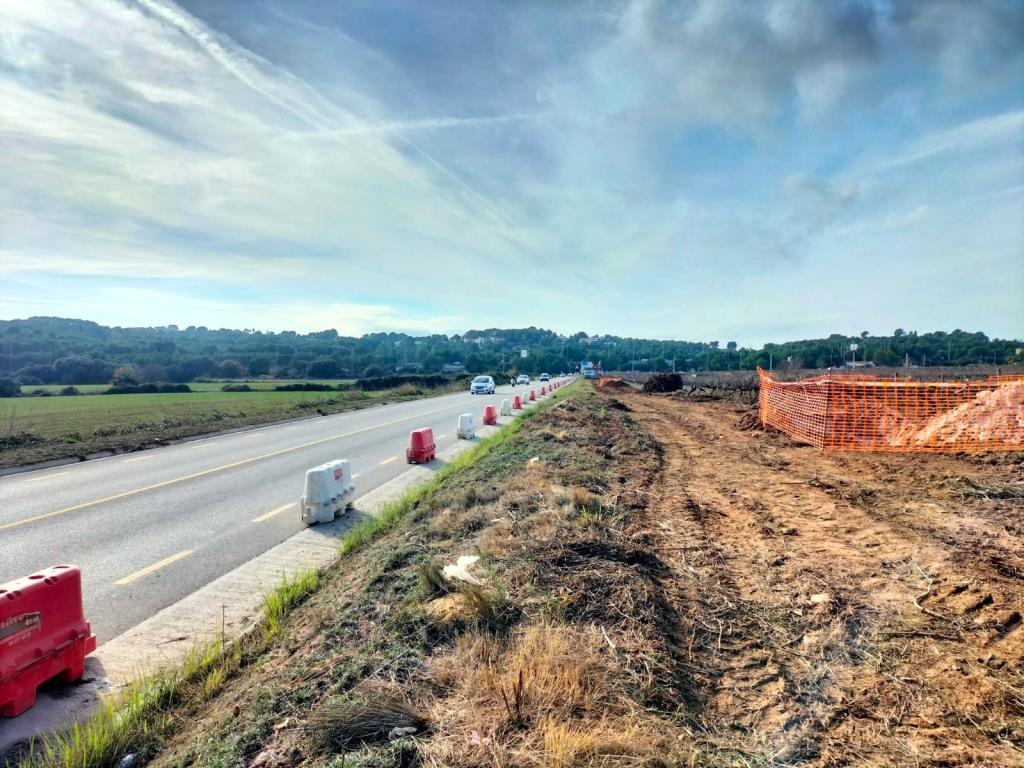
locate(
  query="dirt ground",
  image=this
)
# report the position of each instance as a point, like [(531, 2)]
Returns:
[(843, 609), (660, 583)]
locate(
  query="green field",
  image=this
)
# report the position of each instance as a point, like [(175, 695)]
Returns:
[(207, 386), (44, 428), (59, 416)]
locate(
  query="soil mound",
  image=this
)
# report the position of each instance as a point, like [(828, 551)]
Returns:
[(612, 383)]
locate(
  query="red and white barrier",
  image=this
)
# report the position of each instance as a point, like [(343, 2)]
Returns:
[(421, 446), (465, 429), (43, 634), (490, 415), (328, 490)]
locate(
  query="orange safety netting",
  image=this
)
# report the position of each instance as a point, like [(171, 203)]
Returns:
[(857, 412)]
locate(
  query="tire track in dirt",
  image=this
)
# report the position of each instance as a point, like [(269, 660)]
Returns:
[(829, 632)]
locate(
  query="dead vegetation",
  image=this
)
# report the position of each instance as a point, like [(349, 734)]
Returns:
[(648, 581)]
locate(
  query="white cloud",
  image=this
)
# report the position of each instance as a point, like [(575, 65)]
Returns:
[(666, 169)]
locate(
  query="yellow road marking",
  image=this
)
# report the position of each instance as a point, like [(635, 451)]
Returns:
[(46, 477), (138, 458), (252, 434), (203, 445), (151, 568), (273, 512), (212, 470), (388, 461)]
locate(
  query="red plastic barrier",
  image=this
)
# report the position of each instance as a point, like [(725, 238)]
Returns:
[(490, 414), (43, 634), (517, 403), (421, 446), (543, 390), (533, 395)]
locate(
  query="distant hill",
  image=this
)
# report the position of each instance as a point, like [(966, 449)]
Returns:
[(54, 350)]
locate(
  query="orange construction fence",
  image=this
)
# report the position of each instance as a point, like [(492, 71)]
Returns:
[(856, 412)]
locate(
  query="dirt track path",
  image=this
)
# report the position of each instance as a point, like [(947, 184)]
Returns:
[(842, 609)]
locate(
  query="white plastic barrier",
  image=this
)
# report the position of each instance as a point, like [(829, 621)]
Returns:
[(506, 407), (466, 429), (329, 490)]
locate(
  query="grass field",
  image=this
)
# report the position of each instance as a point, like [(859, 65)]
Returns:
[(58, 416), (43, 428), (207, 386)]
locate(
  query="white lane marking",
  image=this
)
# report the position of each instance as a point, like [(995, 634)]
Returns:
[(202, 445), (138, 458), (273, 512), (46, 477), (388, 461), (355, 475), (152, 568)]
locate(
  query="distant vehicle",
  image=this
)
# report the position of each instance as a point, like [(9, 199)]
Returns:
[(545, 377), (482, 385), (588, 370), (522, 379)]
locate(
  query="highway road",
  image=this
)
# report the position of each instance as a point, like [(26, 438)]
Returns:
[(148, 528)]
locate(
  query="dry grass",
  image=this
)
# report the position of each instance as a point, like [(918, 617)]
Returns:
[(373, 716), (548, 695)]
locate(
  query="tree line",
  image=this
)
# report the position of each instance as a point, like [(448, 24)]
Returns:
[(51, 350)]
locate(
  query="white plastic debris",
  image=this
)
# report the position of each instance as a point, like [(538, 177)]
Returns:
[(460, 570), (398, 732)]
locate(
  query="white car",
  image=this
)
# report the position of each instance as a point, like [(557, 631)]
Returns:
[(545, 377), (523, 379), (482, 385)]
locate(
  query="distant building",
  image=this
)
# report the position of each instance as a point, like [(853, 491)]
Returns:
[(453, 368)]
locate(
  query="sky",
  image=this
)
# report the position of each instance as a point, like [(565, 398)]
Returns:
[(714, 169)]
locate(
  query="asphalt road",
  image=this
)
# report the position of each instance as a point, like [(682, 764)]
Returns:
[(150, 527)]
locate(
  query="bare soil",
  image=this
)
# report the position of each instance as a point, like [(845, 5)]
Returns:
[(844, 609)]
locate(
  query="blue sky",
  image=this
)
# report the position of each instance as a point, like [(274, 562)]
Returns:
[(709, 169)]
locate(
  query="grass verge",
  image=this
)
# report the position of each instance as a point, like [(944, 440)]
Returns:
[(147, 712), (394, 511)]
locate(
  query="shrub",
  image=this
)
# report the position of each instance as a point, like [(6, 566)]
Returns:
[(9, 388), (304, 386), (323, 368), (374, 371), (146, 389), (664, 382), (236, 388), (69, 391), (230, 369), (125, 375), (425, 380)]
